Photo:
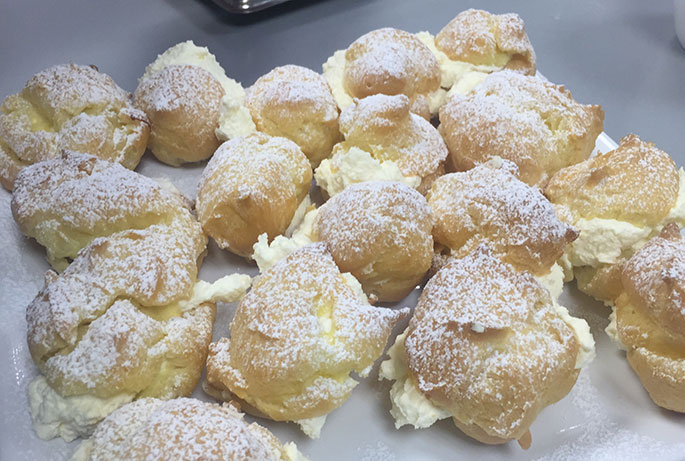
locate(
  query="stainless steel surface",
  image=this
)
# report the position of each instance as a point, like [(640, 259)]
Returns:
[(247, 6), (621, 54)]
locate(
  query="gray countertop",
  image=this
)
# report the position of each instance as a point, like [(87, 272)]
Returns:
[(621, 54)]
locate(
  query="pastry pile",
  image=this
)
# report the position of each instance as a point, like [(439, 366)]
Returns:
[(489, 209)]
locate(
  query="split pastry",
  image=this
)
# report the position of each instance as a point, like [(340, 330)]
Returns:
[(302, 330), (384, 141), (488, 347), (65, 203), (489, 204), (617, 201), (474, 44), (296, 103), (649, 317), (380, 232), (191, 104), (534, 123), (127, 319), (384, 61), (182, 429), (252, 185), (73, 107)]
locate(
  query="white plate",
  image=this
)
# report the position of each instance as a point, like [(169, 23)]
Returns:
[(607, 415)]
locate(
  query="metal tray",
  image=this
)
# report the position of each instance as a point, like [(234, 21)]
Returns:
[(246, 6)]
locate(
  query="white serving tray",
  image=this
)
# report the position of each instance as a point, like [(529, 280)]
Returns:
[(607, 415)]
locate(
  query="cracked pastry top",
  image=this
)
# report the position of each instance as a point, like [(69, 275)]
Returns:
[(71, 107), (295, 340), (534, 123)]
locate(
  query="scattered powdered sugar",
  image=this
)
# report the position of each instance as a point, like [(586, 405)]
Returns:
[(303, 330), (181, 429), (515, 219)]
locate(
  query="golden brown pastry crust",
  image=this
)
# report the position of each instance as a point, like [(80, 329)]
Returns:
[(392, 61), (637, 182), (72, 107), (296, 103), (297, 336), (650, 317), (489, 204), (380, 232), (482, 38), (252, 185), (535, 124), (182, 103), (181, 429), (67, 202), (486, 344), (108, 324)]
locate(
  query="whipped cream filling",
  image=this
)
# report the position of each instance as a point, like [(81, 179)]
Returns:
[(456, 77), (234, 118), (580, 327), (553, 280), (355, 165), (334, 73), (605, 241), (409, 405), (68, 417), (312, 426)]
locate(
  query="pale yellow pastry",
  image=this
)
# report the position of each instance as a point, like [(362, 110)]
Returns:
[(488, 347), (380, 232), (296, 338), (649, 317), (126, 319), (252, 185), (191, 104), (65, 203), (489, 204), (384, 61), (296, 103), (182, 429), (384, 141), (534, 123), (74, 107), (617, 200)]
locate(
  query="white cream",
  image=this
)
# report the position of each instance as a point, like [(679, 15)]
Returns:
[(586, 341), (353, 283), (553, 280), (83, 451), (267, 254), (234, 117), (227, 289), (603, 241), (312, 426), (302, 209), (677, 213), (455, 76), (355, 165), (292, 453), (409, 405), (334, 73), (68, 417), (612, 329)]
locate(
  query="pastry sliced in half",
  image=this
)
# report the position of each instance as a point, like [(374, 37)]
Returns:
[(182, 429), (649, 317), (296, 338), (488, 347), (618, 201)]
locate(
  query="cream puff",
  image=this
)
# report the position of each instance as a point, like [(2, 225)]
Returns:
[(649, 317), (384, 61), (618, 201), (534, 123), (474, 44), (384, 141), (65, 203), (252, 185), (302, 330), (71, 107), (182, 429), (489, 204), (296, 103), (488, 347), (191, 103)]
